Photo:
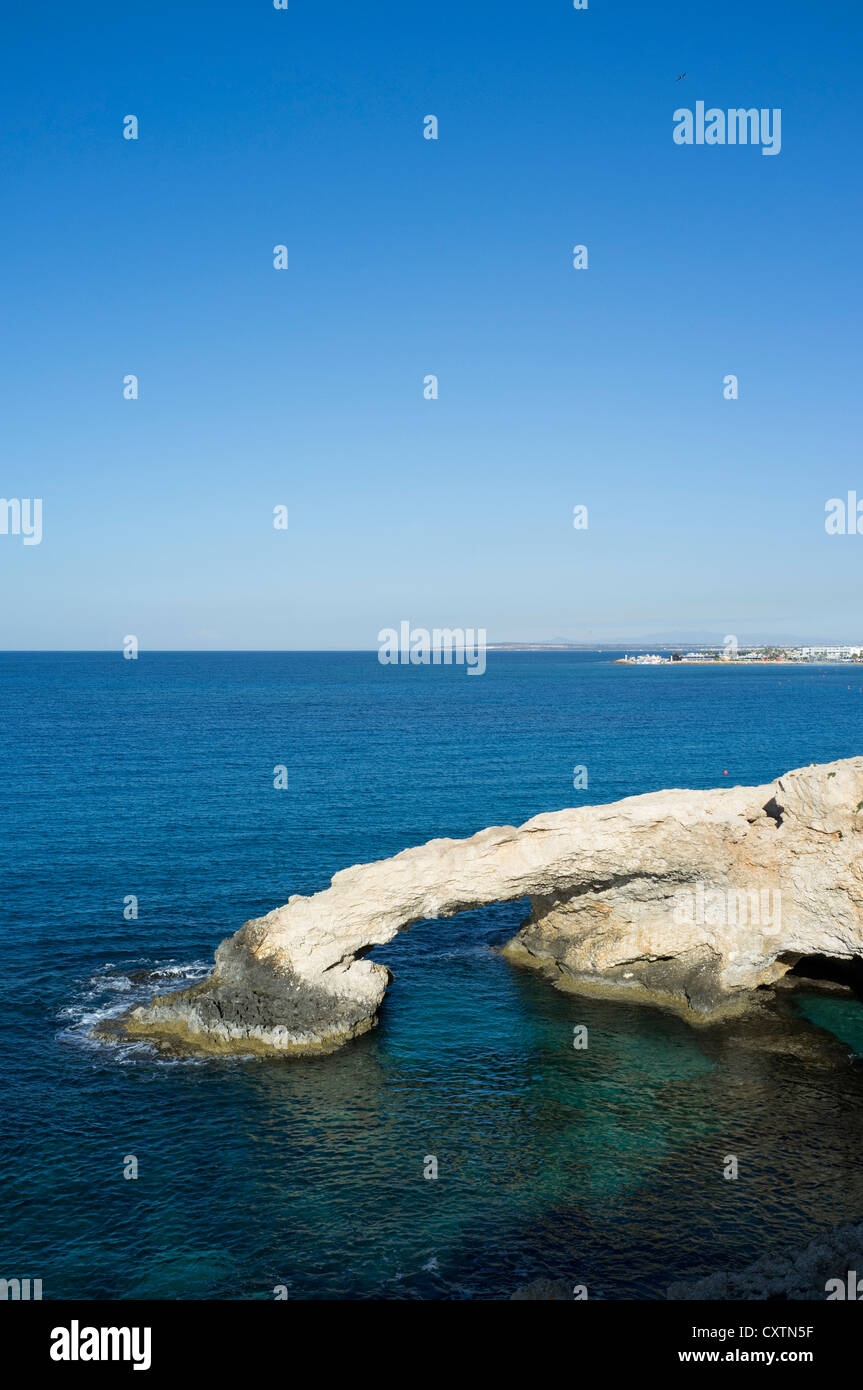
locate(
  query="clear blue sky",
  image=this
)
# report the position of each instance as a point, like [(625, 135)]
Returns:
[(410, 257)]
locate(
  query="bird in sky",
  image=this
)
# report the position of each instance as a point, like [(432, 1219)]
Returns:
[(681, 77)]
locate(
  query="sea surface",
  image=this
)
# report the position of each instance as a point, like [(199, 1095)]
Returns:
[(154, 779)]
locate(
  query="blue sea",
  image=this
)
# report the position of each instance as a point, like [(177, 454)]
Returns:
[(154, 779)]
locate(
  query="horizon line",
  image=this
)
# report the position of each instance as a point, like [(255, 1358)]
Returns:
[(501, 647)]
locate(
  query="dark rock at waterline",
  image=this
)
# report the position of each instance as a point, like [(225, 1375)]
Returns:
[(807, 1275), (544, 1290)]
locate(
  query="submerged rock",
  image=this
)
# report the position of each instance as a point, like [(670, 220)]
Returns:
[(545, 1291), (689, 899), (825, 1269)]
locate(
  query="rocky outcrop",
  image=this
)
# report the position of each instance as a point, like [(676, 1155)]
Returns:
[(684, 898), (825, 1269)]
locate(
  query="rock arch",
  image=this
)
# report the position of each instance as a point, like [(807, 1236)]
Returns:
[(659, 897)]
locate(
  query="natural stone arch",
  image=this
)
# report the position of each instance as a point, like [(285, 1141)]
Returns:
[(608, 887)]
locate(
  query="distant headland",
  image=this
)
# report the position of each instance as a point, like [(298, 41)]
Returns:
[(730, 651), (748, 656)]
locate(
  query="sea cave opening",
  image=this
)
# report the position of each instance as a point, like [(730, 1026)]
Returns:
[(827, 970)]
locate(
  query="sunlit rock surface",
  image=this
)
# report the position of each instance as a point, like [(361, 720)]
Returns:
[(688, 899)]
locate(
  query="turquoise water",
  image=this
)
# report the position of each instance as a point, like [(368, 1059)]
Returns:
[(842, 1017), (155, 778)]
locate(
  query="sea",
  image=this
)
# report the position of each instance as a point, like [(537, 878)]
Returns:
[(142, 824)]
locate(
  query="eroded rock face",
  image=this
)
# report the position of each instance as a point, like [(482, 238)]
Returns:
[(683, 898)]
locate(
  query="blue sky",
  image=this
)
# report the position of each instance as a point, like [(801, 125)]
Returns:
[(409, 257)]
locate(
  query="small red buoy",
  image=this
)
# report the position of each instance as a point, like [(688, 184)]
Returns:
[(725, 772)]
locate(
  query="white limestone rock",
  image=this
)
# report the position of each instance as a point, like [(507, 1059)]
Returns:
[(648, 898)]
